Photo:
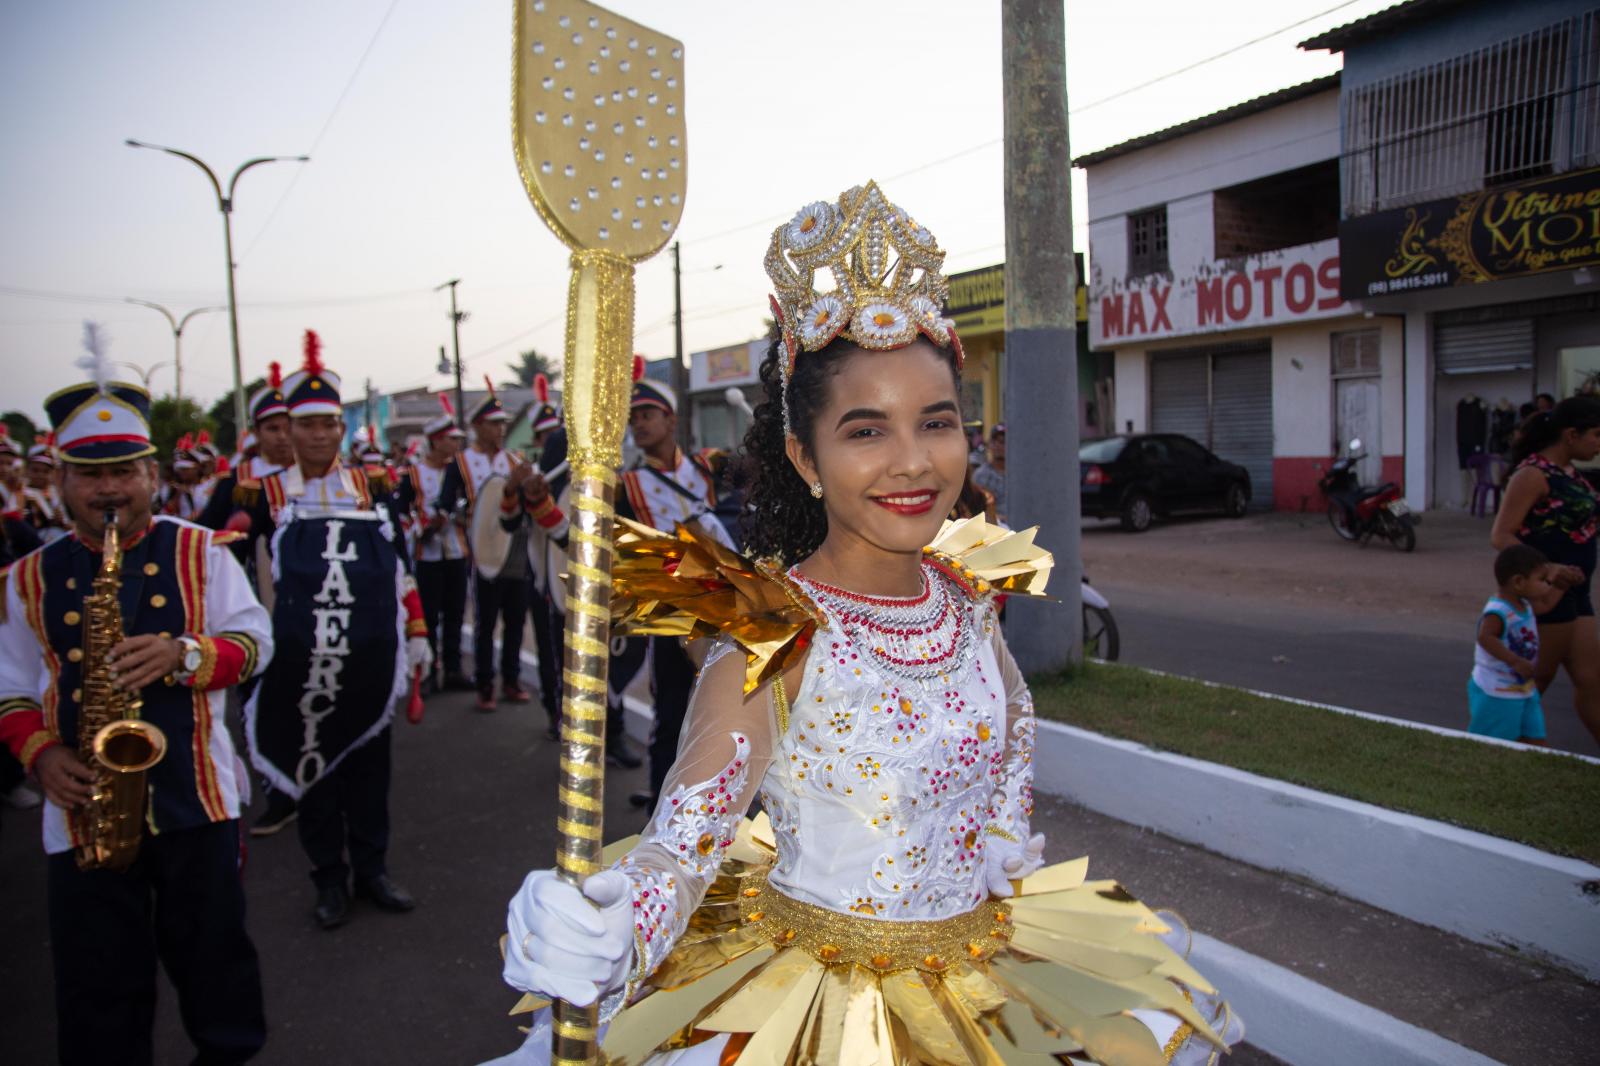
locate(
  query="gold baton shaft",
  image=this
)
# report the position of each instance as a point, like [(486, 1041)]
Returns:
[(597, 381)]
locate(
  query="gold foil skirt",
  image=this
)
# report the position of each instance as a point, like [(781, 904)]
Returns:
[(1046, 977)]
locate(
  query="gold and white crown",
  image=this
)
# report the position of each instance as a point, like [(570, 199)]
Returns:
[(886, 268)]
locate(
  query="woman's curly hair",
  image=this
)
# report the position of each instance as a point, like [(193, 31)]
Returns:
[(781, 518)]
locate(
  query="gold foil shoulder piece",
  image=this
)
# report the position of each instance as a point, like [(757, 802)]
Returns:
[(687, 584), (984, 558)]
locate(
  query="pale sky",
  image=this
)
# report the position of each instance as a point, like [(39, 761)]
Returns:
[(412, 180)]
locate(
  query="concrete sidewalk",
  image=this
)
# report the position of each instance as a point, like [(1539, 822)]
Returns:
[(1490, 1001)]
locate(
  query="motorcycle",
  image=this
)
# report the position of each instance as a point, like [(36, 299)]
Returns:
[(1100, 637), (1360, 513)]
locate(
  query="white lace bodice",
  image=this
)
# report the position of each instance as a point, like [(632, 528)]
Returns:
[(880, 790), (886, 786)]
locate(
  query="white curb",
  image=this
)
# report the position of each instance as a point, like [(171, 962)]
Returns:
[(1477, 886), (1300, 1021)]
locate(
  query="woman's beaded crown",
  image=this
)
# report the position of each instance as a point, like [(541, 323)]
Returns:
[(886, 268)]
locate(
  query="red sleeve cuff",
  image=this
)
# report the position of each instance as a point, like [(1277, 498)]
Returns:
[(225, 660), (416, 625), (547, 514), (23, 731)]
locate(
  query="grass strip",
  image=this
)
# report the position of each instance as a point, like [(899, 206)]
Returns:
[(1546, 802)]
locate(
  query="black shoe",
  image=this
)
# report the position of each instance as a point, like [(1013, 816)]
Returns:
[(280, 812), (333, 906), (553, 732), (387, 895), (617, 754), (643, 798), (458, 682)]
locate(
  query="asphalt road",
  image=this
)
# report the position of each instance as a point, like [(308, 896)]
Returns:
[(1340, 656), (1275, 602), (472, 811)]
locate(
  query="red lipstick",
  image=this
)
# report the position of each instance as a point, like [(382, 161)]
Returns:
[(910, 503)]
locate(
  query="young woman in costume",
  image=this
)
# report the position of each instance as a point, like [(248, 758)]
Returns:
[(891, 904)]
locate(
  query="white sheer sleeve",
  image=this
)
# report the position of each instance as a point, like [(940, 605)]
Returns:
[(1013, 796), (723, 753)]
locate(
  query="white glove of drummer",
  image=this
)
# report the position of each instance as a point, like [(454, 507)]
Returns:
[(561, 946), (1005, 861), (418, 655)]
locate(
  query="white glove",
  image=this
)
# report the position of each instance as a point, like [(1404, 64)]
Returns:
[(1005, 861), (561, 946), (418, 655)]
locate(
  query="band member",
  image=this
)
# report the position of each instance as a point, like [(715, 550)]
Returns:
[(181, 490), (41, 499), (503, 600), (663, 488), (192, 628), (546, 536), (212, 467), (11, 479), (319, 722), (439, 546), (266, 450)]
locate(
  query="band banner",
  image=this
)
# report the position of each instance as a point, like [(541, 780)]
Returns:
[(336, 671)]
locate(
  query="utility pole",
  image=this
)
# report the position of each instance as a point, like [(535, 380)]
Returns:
[(177, 325), (225, 205), (456, 318), (1041, 350), (680, 373)]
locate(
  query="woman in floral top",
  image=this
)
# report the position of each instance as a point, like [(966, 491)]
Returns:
[(1550, 506)]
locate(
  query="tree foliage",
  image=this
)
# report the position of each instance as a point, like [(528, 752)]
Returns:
[(171, 418), (530, 364), (22, 428), (223, 431)]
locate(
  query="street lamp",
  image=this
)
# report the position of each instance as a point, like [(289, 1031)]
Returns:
[(146, 373), (225, 205), (456, 318), (177, 325)]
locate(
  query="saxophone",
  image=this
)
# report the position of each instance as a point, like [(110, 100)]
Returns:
[(123, 747)]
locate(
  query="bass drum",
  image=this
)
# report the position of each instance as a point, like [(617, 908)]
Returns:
[(491, 544)]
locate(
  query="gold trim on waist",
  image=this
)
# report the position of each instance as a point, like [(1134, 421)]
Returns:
[(874, 944)]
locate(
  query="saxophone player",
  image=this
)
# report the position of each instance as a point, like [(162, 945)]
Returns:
[(191, 627)]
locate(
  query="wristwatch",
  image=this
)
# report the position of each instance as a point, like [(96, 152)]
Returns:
[(193, 656)]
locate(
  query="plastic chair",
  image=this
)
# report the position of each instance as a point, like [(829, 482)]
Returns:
[(1488, 471)]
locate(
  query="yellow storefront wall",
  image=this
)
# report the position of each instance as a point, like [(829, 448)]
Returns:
[(977, 305)]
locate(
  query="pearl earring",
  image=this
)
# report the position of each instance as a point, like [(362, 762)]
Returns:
[(816, 489)]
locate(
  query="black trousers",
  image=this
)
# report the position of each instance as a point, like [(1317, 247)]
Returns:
[(672, 678), (504, 601), (442, 585), (181, 903), (347, 812), (549, 638)]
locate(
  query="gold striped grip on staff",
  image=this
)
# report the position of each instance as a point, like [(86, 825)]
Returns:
[(597, 383)]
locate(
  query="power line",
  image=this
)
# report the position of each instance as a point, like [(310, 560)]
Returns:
[(333, 301), (1197, 64), (771, 220), (317, 141)]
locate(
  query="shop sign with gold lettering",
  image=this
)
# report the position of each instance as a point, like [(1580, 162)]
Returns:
[(1532, 227)]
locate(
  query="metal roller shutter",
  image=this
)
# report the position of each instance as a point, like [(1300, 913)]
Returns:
[(1484, 347), (1180, 395), (1241, 417)]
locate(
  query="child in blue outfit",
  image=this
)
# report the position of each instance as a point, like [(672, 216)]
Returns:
[(1502, 695)]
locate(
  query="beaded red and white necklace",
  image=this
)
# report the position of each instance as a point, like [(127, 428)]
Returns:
[(916, 637)]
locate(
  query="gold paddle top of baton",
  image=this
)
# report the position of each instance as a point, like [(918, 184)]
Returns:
[(597, 123)]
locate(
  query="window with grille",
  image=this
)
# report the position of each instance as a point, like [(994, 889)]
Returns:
[(1147, 241), (1519, 108), (1357, 354)]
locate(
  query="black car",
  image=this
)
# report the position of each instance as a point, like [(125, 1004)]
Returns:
[(1138, 477)]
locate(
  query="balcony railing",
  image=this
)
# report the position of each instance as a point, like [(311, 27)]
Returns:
[(1517, 109)]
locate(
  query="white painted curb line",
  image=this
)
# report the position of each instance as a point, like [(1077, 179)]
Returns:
[(1300, 1021), (1477, 886)]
